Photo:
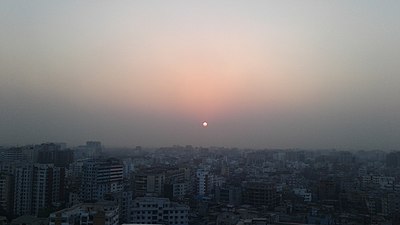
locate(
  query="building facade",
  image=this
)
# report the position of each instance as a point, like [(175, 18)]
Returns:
[(100, 213), (149, 182), (48, 183), (260, 194), (7, 192), (101, 177), (152, 210)]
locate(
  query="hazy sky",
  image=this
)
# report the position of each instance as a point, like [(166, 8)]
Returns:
[(308, 74)]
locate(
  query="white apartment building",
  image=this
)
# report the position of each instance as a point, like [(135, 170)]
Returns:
[(152, 210), (23, 189), (47, 186), (206, 182), (36, 186), (202, 182), (100, 178)]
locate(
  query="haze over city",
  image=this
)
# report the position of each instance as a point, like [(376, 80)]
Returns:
[(262, 74)]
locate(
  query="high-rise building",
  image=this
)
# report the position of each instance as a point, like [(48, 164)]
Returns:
[(25, 153), (177, 183), (7, 193), (229, 194), (149, 181), (35, 187), (260, 194), (92, 149), (56, 154), (48, 182), (23, 175), (203, 182), (101, 177)]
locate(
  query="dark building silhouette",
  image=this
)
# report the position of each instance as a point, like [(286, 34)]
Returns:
[(327, 189), (260, 194), (149, 181), (55, 154), (6, 194), (229, 195), (393, 160)]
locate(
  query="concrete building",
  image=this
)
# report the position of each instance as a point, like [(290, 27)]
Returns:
[(176, 190), (229, 194), (150, 181), (129, 167), (124, 200), (7, 192), (101, 177), (23, 175), (177, 183), (100, 213), (260, 194), (56, 155), (48, 183), (36, 187), (152, 210), (92, 149), (203, 182), (12, 154)]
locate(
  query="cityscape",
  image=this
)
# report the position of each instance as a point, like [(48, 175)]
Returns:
[(54, 184), (211, 112)]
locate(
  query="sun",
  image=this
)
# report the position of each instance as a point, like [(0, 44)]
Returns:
[(205, 124)]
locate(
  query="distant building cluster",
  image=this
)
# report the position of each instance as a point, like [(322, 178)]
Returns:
[(89, 185)]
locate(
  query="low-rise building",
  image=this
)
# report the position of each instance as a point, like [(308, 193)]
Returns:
[(100, 213), (151, 210), (29, 220)]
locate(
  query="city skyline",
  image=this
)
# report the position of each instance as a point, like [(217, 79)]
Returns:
[(261, 74)]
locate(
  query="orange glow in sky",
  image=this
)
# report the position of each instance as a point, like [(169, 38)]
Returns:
[(129, 72)]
